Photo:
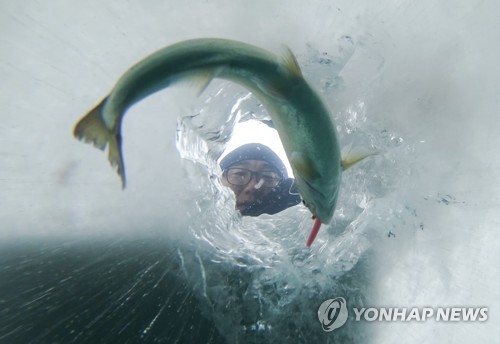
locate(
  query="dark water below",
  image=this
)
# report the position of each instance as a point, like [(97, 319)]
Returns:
[(97, 292), (114, 291)]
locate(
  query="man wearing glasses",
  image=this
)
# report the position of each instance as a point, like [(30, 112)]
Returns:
[(259, 180)]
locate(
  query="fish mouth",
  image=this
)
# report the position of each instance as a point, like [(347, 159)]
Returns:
[(318, 203)]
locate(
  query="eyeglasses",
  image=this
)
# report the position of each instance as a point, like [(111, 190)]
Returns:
[(242, 176)]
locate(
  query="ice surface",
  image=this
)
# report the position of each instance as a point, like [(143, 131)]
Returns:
[(167, 259)]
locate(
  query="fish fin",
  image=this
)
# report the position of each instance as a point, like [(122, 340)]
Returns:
[(352, 159), (314, 232), (92, 129), (272, 91), (200, 80), (304, 166), (291, 67), (115, 155), (290, 62)]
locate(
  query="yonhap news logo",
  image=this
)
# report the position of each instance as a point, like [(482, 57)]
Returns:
[(333, 313)]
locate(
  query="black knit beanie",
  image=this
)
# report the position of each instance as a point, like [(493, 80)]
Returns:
[(254, 151)]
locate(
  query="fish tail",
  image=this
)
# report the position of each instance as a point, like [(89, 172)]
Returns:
[(92, 129)]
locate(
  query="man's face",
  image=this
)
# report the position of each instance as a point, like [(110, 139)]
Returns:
[(257, 187)]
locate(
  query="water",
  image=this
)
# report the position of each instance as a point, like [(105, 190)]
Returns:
[(167, 259)]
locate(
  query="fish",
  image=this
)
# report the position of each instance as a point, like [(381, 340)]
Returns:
[(302, 119)]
